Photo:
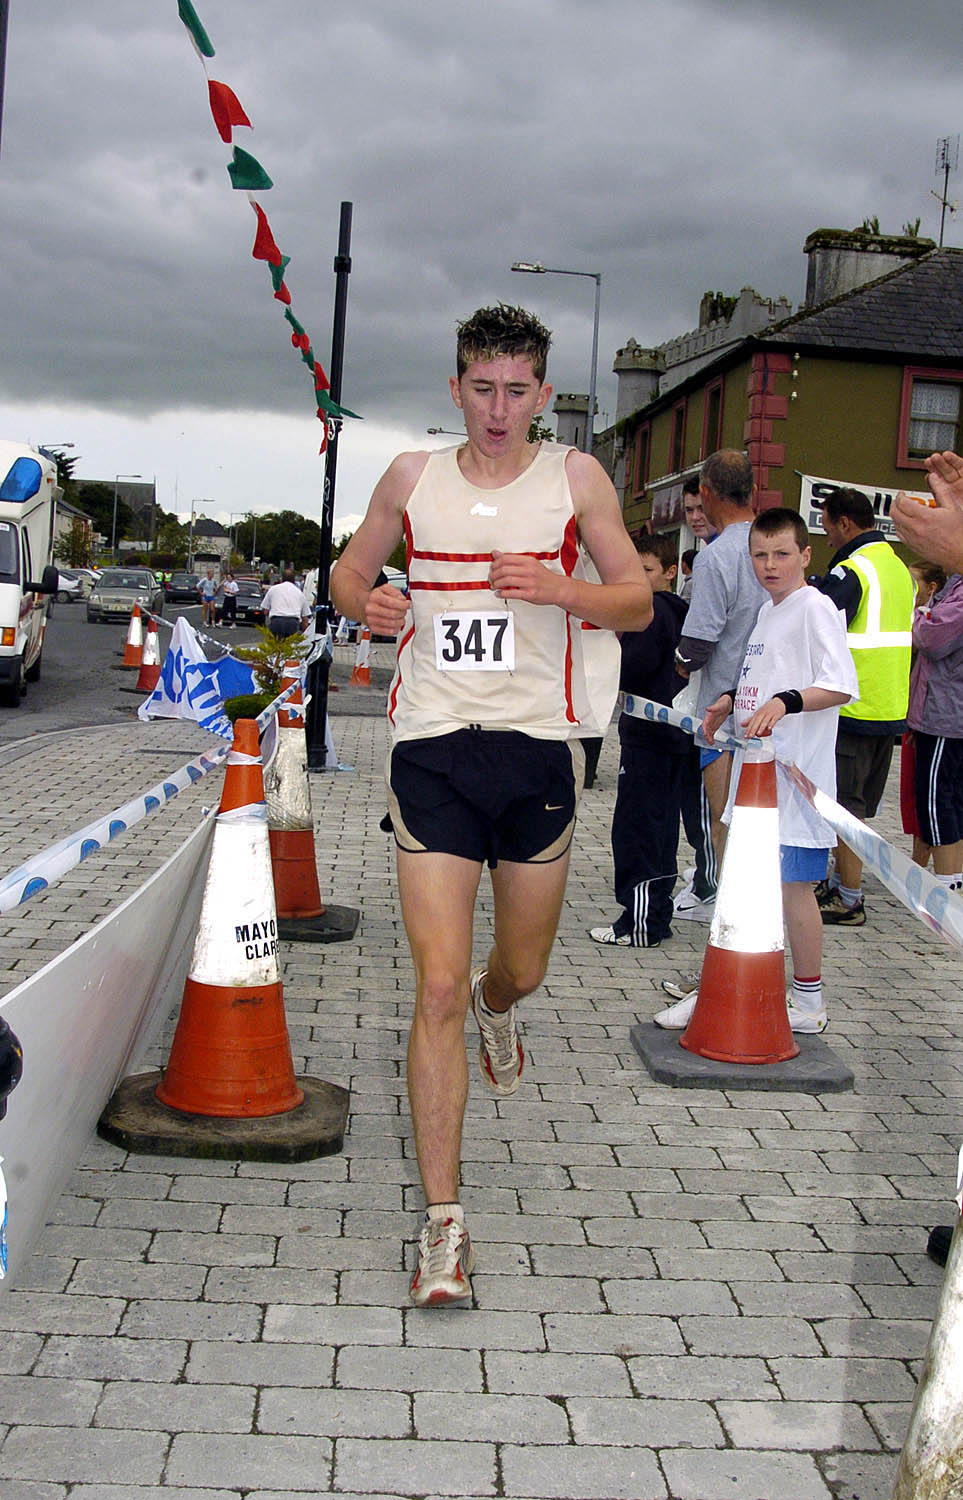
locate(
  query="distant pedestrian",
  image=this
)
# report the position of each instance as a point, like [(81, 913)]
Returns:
[(285, 607), (207, 588), (229, 589)]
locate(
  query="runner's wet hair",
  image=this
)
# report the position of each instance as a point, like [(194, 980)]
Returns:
[(493, 332)]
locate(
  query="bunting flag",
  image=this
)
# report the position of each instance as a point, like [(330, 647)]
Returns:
[(226, 109), (248, 175)]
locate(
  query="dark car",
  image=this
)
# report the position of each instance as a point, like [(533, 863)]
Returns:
[(248, 600), (181, 588)]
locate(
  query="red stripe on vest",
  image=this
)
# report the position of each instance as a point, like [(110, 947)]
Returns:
[(450, 588), (475, 557), (393, 696)]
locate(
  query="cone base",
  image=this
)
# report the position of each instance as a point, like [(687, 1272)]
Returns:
[(740, 1015), (336, 924), (815, 1070), (148, 679), (135, 1120)]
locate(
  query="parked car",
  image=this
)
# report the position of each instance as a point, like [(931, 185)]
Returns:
[(249, 596), (117, 591), (181, 588), (75, 583)]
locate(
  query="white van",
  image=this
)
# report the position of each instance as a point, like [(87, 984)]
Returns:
[(28, 495)]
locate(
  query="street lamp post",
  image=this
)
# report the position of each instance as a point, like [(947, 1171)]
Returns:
[(535, 268), (198, 500), (113, 528)]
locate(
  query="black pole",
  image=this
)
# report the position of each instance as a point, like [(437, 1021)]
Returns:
[(317, 674), (4, 12)]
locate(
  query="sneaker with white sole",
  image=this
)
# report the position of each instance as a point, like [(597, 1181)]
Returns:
[(688, 908), (445, 1263), (609, 935), (501, 1055), (684, 985), (677, 1016), (807, 1022)]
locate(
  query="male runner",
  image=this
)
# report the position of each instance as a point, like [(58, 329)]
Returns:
[(484, 712)]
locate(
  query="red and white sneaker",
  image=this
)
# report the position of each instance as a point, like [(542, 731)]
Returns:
[(501, 1055), (445, 1261)]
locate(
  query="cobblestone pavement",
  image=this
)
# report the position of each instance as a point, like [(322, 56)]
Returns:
[(685, 1294)]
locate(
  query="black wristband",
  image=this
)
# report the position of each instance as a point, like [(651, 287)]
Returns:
[(731, 693), (792, 699)]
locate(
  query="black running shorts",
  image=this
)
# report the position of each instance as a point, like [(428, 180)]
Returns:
[(485, 795), (939, 788)]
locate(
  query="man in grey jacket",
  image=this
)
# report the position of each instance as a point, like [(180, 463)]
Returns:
[(726, 598)]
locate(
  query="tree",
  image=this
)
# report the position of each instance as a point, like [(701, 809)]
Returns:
[(97, 500), (73, 546), (282, 536), (539, 432)]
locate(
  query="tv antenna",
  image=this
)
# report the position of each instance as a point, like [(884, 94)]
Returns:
[(947, 161)]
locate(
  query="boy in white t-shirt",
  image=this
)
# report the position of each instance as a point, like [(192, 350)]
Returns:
[(797, 673)]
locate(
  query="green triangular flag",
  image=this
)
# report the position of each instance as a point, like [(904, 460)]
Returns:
[(333, 409), (191, 20), (293, 322), (246, 172), (308, 356), (277, 272)]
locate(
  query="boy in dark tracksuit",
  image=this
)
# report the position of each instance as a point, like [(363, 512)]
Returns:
[(653, 759)]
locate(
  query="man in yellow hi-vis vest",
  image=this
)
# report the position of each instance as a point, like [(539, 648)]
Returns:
[(875, 590)]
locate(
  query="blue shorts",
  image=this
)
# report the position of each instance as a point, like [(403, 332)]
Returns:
[(806, 866), (706, 757)]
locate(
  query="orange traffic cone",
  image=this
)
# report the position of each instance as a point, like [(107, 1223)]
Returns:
[(740, 1015), (134, 647), (231, 1054), (301, 913), (150, 663), (361, 675)]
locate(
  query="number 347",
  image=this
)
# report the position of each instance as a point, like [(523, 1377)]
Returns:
[(475, 641)]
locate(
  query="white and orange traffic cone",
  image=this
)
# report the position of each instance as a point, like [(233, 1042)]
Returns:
[(361, 674), (134, 646), (231, 1054), (301, 914), (150, 662), (740, 1015), (229, 1091)]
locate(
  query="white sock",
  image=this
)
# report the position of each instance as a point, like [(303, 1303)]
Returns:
[(807, 995), (445, 1211), (952, 882)]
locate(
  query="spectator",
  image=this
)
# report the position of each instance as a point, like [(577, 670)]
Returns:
[(869, 583), (229, 589), (726, 597), (928, 577), (686, 561), (697, 521), (207, 588), (935, 716), (285, 607), (652, 759)]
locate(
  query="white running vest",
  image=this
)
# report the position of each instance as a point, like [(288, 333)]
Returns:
[(466, 656)]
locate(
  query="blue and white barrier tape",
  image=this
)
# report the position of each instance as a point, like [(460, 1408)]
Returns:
[(940, 909), (43, 869)]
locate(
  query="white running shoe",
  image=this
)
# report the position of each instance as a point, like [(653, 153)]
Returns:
[(501, 1055), (609, 935), (445, 1262), (684, 985), (676, 1017), (688, 908), (807, 1022)]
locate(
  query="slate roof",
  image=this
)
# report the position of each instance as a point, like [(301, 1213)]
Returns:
[(914, 310)]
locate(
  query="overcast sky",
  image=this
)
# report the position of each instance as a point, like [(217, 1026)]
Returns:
[(673, 147)]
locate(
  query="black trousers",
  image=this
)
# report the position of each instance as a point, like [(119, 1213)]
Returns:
[(645, 833), (697, 822)]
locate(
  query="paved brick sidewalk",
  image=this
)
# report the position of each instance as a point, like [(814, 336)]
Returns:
[(685, 1294)]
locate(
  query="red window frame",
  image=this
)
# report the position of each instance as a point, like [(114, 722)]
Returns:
[(912, 373), (712, 441), (677, 437)]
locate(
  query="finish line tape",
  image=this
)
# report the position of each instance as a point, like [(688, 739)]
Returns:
[(938, 908)]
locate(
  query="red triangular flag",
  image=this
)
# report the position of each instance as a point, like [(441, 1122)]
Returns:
[(264, 244), (226, 109), (321, 381), (282, 294)]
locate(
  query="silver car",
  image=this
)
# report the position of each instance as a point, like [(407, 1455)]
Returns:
[(117, 590)]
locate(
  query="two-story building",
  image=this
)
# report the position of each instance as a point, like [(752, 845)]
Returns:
[(855, 388)]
